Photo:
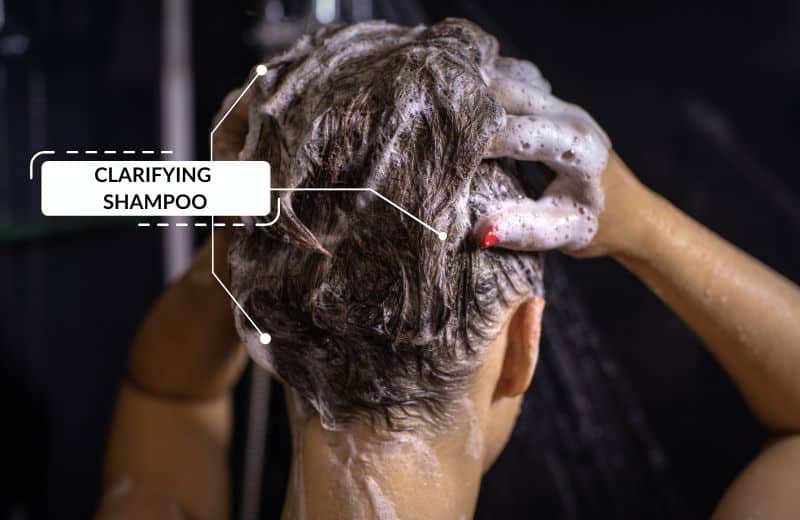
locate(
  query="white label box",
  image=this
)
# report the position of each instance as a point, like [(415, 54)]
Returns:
[(155, 188)]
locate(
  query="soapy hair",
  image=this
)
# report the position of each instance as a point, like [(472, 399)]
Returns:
[(372, 316)]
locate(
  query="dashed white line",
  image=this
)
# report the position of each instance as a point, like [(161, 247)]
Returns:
[(114, 152), (199, 224), (176, 224), (205, 224)]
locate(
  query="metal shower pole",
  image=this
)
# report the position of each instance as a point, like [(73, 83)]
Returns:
[(177, 119)]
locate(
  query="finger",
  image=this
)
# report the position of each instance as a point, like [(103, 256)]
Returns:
[(518, 85), (564, 145), (522, 90), (520, 98), (521, 70), (530, 225)]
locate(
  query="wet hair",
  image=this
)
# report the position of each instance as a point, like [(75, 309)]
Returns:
[(372, 316)]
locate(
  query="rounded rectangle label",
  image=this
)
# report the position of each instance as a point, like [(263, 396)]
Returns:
[(155, 188)]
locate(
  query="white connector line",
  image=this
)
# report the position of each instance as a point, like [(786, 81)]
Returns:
[(263, 337), (441, 234), (72, 152), (36, 156), (143, 224), (128, 152), (90, 152), (109, 152), (260, 71)]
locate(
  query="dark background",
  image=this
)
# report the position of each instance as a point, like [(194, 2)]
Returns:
[(628, 416)]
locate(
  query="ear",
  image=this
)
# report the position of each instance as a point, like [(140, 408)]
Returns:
[(522, 349)]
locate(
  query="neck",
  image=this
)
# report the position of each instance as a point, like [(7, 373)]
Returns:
[(360, 474)]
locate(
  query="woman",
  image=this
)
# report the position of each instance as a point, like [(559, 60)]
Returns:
[(405, 356)]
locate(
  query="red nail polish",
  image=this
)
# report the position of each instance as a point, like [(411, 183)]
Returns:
[(490, 238)]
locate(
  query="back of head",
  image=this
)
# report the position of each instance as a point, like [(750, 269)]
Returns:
[(372, 315)]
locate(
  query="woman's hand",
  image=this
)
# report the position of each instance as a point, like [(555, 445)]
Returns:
[(747, 315), (540, 127)]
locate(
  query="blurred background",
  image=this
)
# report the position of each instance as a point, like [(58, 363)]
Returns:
[(627, 416)]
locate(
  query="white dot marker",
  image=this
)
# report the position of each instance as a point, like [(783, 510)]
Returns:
[(260, 71), (442, 236), (265, 338)]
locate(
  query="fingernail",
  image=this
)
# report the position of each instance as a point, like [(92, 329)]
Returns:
[(490, 238)]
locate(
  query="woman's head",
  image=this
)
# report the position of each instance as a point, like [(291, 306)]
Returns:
[(373, 317)]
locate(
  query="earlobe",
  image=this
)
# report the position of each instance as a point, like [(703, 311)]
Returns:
[(522, 350)]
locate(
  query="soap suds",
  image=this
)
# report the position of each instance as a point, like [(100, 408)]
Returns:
[(473, 445), (382, 507), (360, 466)]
